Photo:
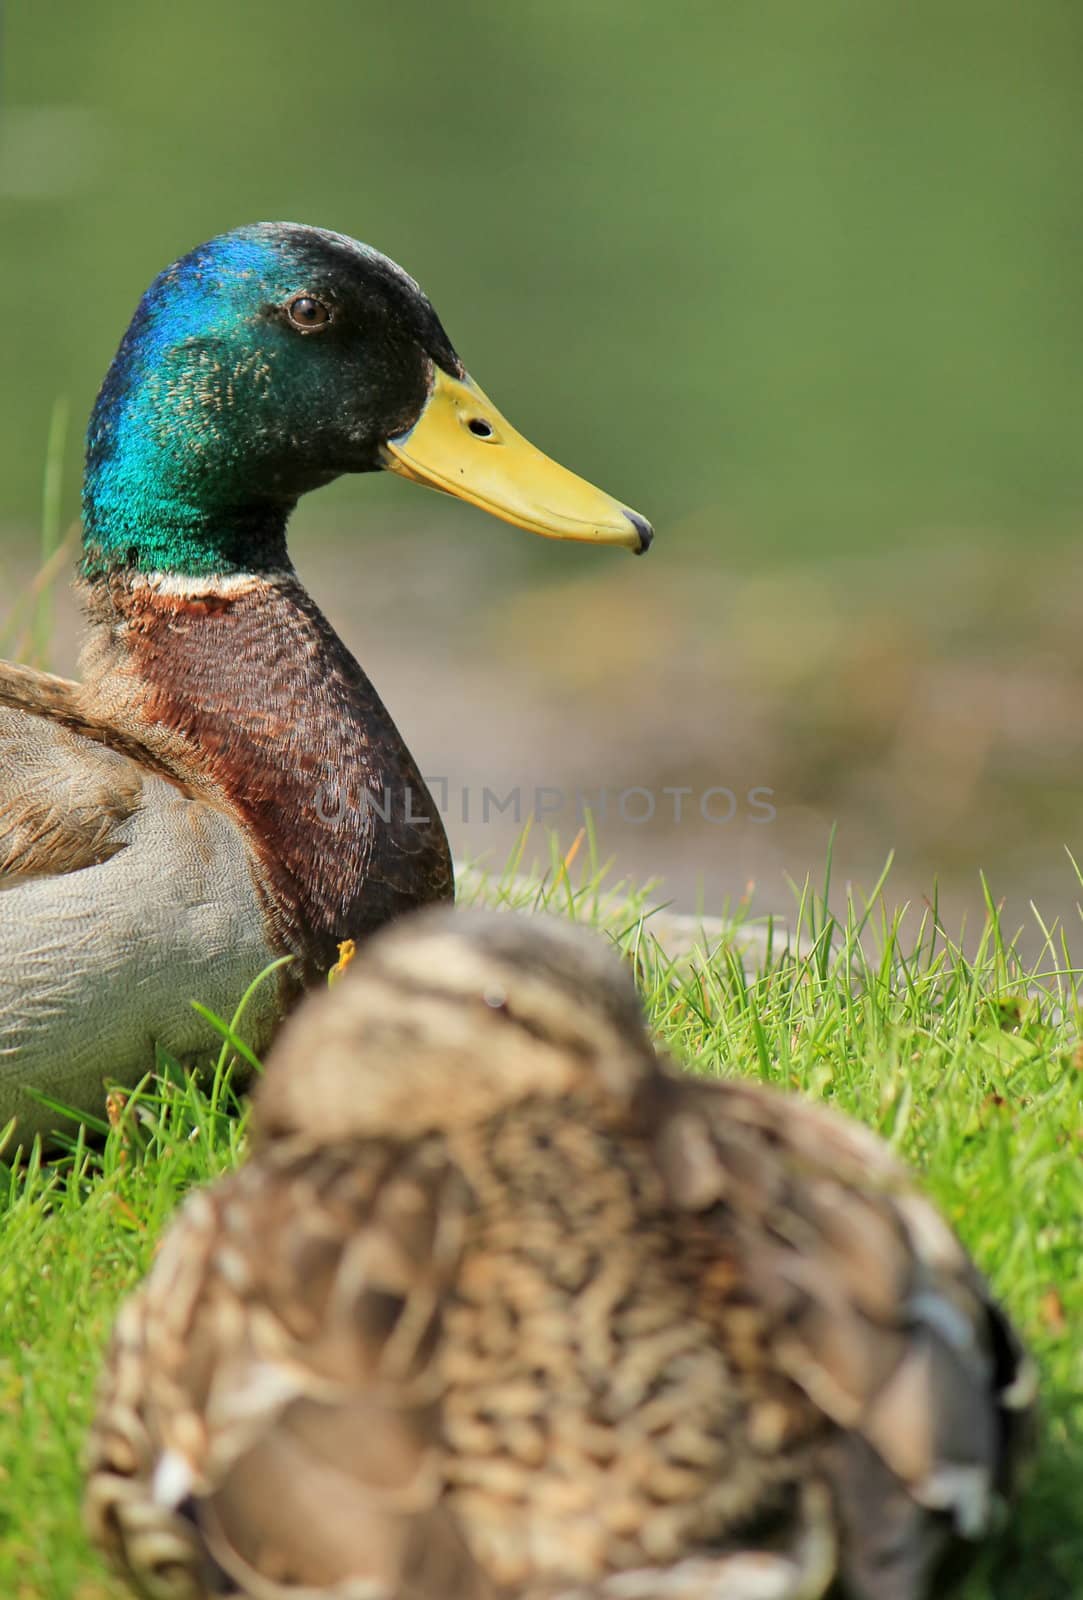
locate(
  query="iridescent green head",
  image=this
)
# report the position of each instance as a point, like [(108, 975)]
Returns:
[(267, 362)]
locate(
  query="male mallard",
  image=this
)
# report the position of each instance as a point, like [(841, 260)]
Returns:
[(224, 786), (501, 1307)]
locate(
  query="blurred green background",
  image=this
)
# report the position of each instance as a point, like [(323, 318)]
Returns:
[(800, 281)]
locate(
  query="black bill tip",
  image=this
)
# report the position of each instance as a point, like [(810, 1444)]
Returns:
[(644, 530)]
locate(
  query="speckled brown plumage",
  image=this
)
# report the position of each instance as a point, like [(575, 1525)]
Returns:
[(500, 1307)]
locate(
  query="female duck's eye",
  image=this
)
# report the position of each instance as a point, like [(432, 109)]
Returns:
[(308, 314)]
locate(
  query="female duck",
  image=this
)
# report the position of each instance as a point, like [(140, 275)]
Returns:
[(224, 786), (501, 1308)]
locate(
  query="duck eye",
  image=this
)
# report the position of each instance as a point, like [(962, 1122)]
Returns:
[(307, 314)]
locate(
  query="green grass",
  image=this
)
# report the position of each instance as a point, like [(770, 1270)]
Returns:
[(970, 1066)]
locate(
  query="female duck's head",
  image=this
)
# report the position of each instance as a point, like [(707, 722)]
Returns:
[(267, 362)]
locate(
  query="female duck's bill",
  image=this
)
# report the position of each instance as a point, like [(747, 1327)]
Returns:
[(461, 445)]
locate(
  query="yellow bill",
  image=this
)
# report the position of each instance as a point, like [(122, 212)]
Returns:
[(461, 444)]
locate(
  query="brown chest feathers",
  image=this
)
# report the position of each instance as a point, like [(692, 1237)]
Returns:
[(246, 693)]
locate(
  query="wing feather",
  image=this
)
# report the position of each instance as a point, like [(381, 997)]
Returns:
[(870, 1306), (282, 1361), (62, 798)]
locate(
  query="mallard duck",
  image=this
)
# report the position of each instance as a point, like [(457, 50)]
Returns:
[(224, 786), (503, 1306)]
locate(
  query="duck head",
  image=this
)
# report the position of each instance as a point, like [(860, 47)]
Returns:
[(273, 359), (452, 1016)]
